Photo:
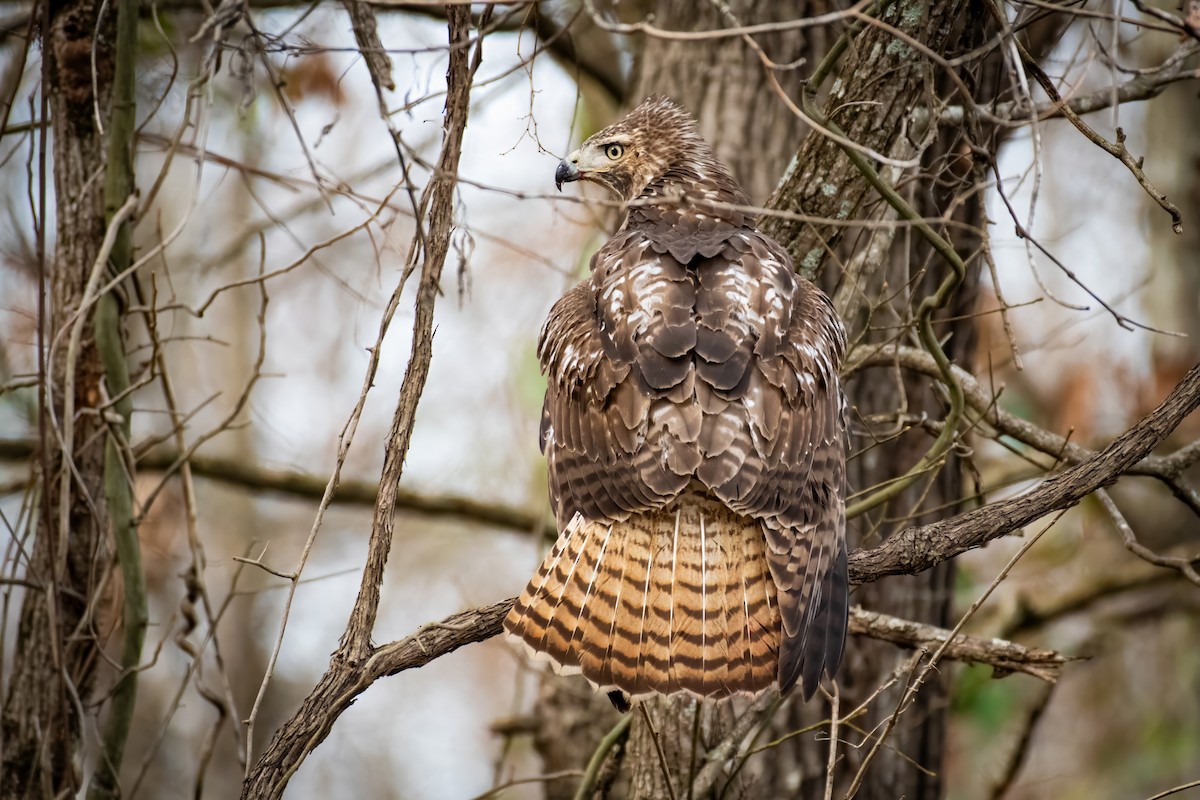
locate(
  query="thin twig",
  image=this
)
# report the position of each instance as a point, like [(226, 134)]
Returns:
[(916, 549), (1020, 752), (834, 701), (1117, 150), (1175, 790), (1185, 565), (611, 739), (662, 756), (914, 686)]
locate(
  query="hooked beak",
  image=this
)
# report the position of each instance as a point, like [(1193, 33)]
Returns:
[(565, 173)]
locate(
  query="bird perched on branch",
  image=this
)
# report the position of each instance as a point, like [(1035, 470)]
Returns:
[(694, 430)]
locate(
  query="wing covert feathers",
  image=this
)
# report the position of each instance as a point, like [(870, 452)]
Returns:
[(675, 600)]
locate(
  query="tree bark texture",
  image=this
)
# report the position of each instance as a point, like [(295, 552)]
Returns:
[(879, 81), (63, 623)]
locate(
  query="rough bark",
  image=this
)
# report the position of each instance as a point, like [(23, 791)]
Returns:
[(880, 80), (911, 766), (58, 639)]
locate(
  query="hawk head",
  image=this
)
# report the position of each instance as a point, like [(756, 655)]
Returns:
[(655, 138)]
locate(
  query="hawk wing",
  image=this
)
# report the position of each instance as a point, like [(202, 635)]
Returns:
[(798, 459), (618, 429), (716, 365)]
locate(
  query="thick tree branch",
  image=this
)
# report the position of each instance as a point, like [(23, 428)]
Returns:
[(366, 35), (916, 549), (478, 624), (242, 474), (432, 641), (909, 551)]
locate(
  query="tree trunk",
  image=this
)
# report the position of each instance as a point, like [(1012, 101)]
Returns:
[(871, 294), (63, 622)]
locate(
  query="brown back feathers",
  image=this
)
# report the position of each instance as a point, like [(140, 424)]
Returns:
[(694, 432)]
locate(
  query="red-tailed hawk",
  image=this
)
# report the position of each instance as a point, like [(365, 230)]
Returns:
[(694, 430)]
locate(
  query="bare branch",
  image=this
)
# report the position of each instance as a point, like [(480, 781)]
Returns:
[(1135, 90), (1186, 565), (1117, 150), (322, 708), (246, 475), (366, 34), (1002, 655), (1168, 468), (344, 677)]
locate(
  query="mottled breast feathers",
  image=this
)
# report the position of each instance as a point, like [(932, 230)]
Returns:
[(693, 377)]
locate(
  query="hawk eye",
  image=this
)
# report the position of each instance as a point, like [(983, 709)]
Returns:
[(614, 151)]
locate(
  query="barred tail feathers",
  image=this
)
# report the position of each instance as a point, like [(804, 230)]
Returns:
[(674, 600)]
